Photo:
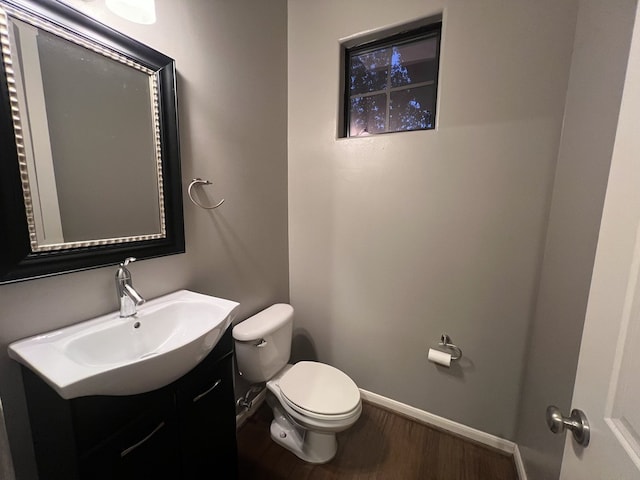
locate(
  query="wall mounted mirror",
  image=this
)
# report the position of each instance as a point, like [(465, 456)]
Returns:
[(90, 166)]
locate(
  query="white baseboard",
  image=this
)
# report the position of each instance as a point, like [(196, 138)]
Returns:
[(440, 422), (517, 458)]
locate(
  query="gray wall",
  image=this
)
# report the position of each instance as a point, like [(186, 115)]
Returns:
[(231, 61), (395, 239), (598, 66)]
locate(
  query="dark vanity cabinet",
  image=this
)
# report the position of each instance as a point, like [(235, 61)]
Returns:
[(201, 430), (185, 430)]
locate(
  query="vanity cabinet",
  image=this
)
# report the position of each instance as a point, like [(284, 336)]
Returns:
[(185, 430), (199, 398)]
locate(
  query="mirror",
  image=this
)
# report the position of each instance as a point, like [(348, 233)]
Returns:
[(96, 170), (84, 188)]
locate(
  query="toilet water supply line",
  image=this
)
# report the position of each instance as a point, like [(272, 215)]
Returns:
[(246, 401)]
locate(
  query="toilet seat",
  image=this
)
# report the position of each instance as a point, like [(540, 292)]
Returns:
[(320, 391), (319, 416)]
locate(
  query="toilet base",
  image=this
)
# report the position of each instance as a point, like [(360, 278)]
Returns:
[(312, 447)]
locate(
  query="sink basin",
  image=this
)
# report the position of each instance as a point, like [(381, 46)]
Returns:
[(110, 355)]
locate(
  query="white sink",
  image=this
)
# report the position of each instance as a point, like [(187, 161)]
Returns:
[(110, 355)]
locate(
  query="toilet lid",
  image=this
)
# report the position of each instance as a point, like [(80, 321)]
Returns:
[(319, 388)]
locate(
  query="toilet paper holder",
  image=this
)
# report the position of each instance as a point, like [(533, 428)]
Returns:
[(445, 342)]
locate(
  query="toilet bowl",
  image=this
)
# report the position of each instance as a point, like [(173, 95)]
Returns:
[(311, 401)]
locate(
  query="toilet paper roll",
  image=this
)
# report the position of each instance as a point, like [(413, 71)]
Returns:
[(441, 358)]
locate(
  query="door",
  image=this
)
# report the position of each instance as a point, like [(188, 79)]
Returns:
[(207, 419), (607, 385)]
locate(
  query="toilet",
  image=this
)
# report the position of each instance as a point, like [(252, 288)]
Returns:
[(311, 401)]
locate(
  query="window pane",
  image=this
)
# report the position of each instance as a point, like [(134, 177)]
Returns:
[(368, 72), (414, 62), (390, 84), (412, 109), (367, 115)]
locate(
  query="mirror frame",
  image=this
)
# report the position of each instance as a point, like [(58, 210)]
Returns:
[(17, 261)]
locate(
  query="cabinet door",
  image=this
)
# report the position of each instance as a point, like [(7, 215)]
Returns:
[(207, 422), (98, 418), (146, 448)]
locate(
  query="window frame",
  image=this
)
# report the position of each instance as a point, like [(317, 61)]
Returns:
[(396, 39)]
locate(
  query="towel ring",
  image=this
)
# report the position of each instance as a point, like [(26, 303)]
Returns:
[(199, 181)]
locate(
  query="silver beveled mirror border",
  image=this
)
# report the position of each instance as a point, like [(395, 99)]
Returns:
[(5, 44)]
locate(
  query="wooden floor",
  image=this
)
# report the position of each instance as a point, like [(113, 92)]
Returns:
[(381, 446)]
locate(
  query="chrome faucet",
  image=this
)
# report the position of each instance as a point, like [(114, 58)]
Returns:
[(128, 297)]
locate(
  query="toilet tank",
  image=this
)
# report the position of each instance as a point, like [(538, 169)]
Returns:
[(263, 342)]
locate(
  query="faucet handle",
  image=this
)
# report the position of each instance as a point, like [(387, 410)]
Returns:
[(127, 261)]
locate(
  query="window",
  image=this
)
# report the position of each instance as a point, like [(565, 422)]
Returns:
[(391, 84)]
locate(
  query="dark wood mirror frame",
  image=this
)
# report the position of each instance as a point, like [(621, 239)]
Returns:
[(17, 261)]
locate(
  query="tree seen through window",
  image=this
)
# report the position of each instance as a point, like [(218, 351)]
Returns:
[(392, 85)]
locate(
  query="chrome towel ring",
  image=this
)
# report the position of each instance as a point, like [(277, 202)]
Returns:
[(199, 181)]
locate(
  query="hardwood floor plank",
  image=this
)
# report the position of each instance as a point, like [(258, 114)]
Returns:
[(380, 446)]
